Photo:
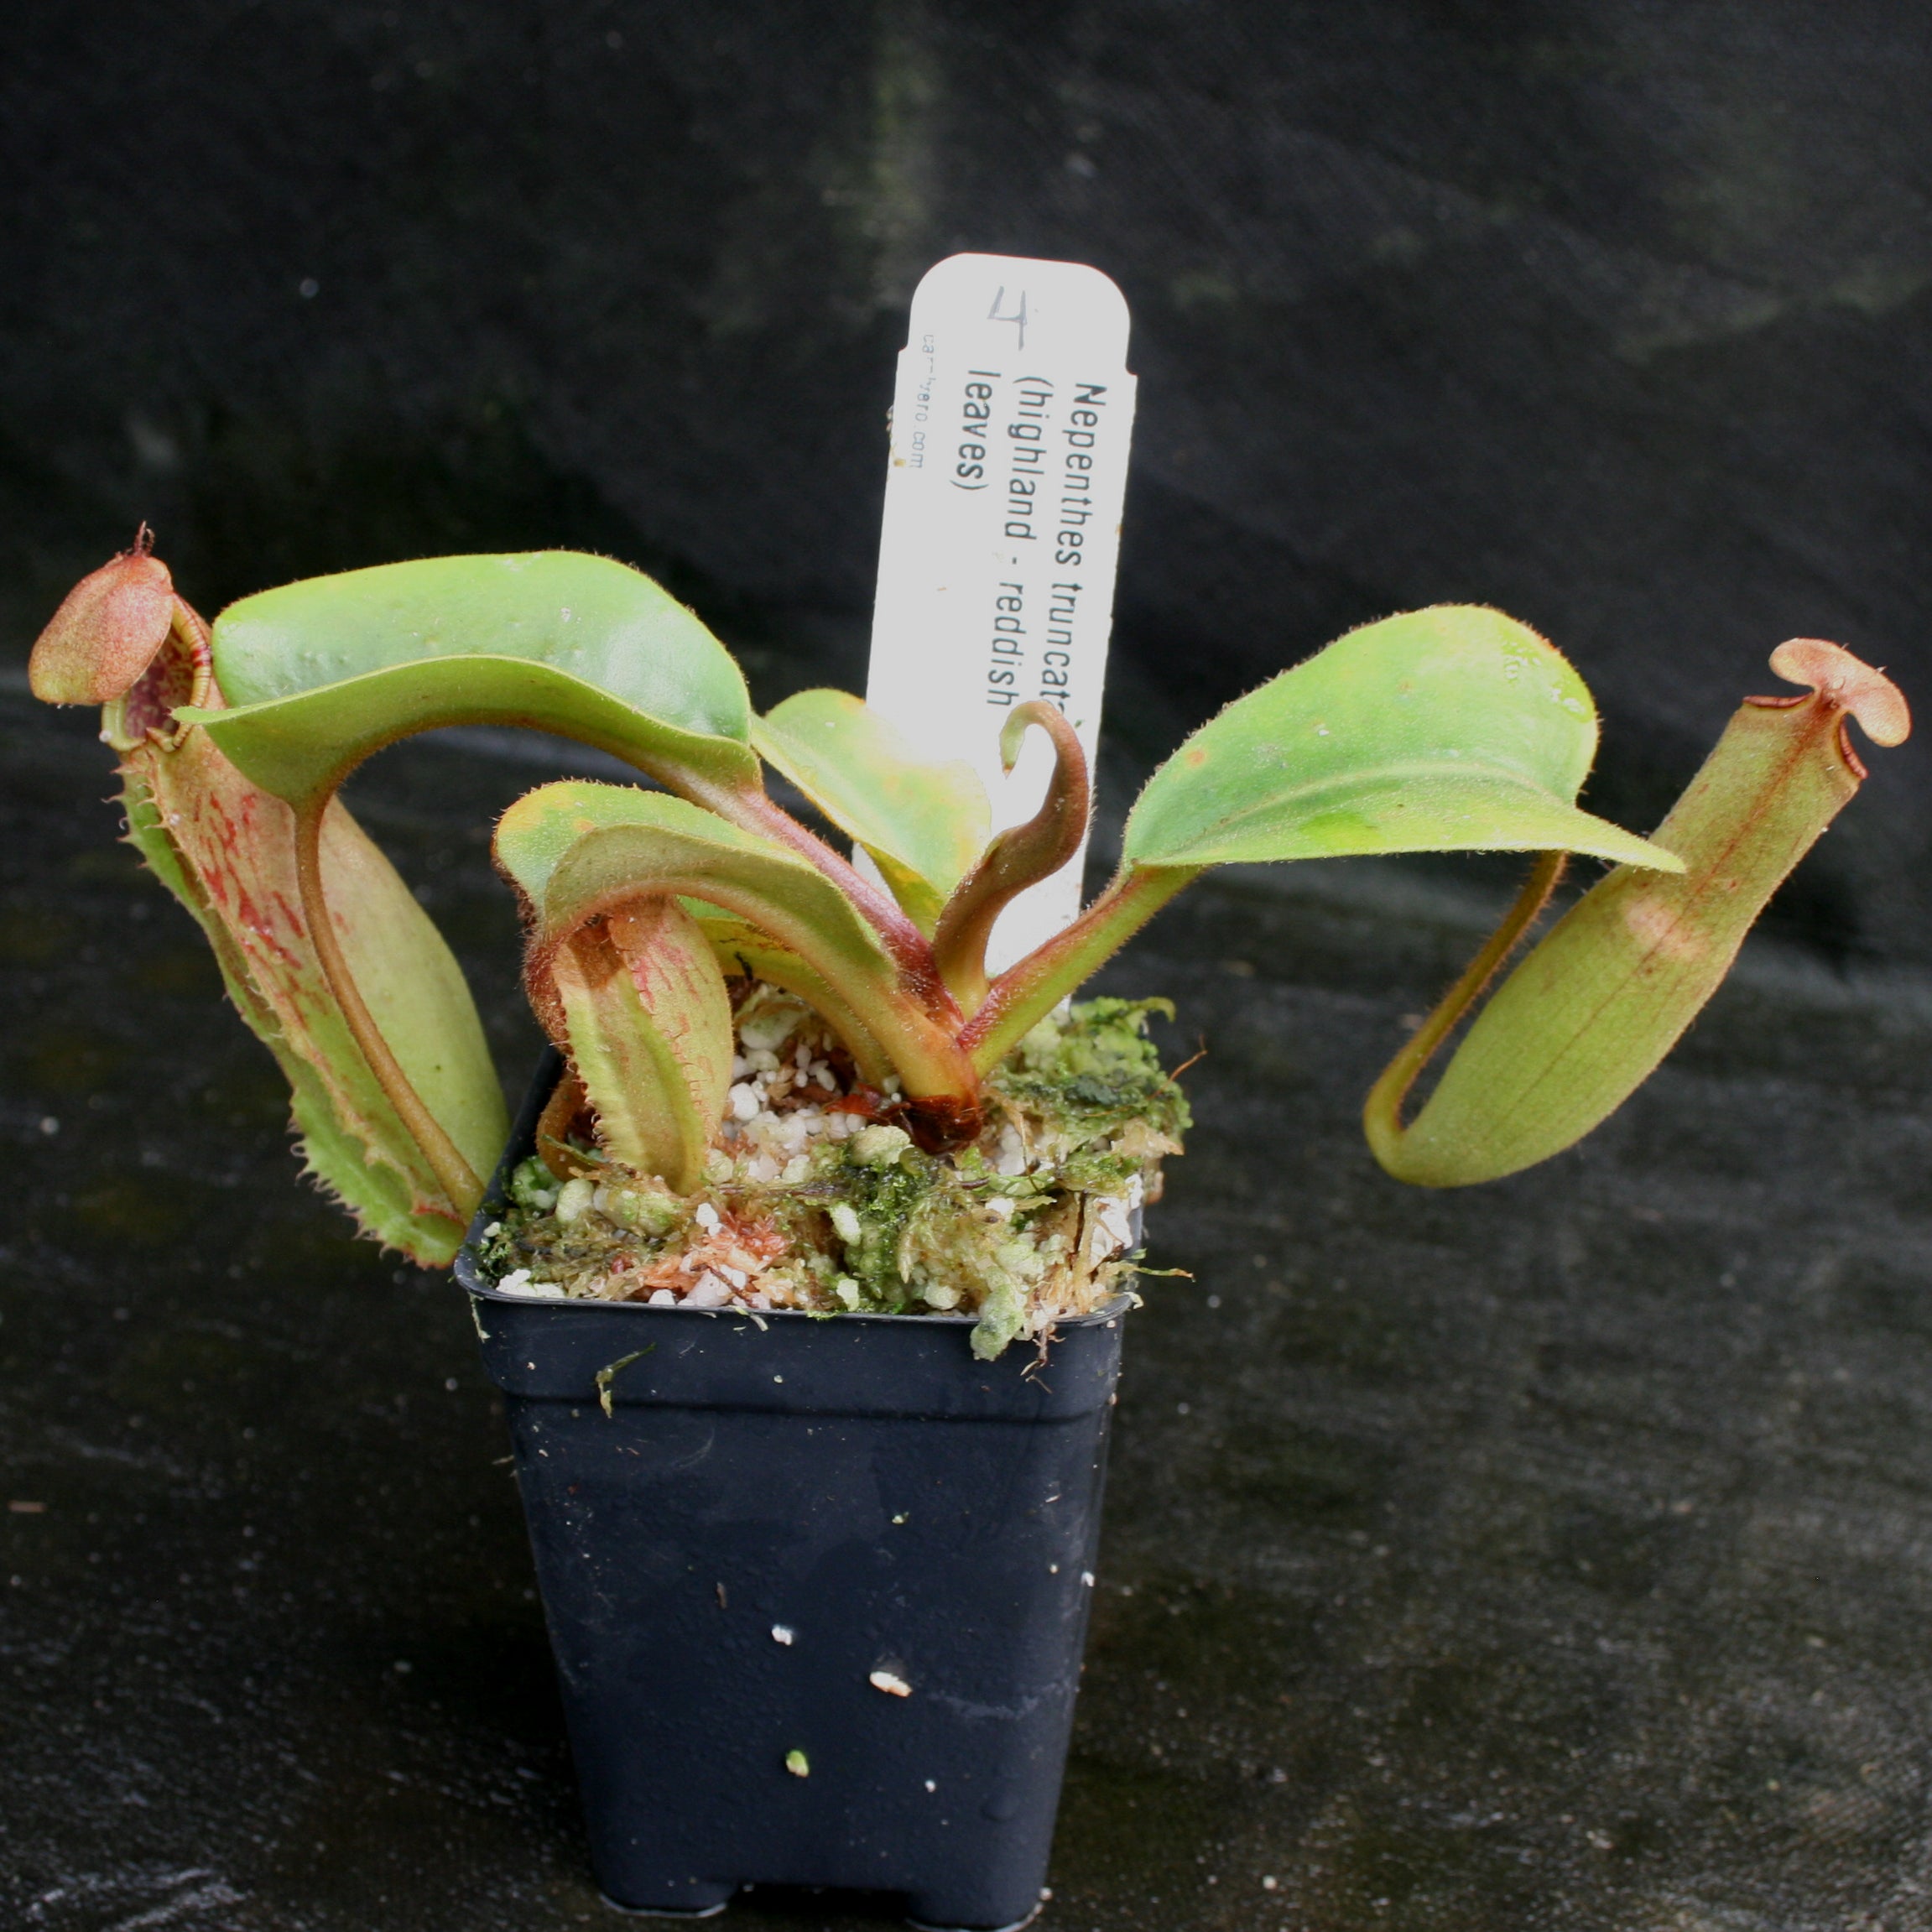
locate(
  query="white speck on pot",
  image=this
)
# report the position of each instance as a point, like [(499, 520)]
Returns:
[(1267, 1884), (931, 1785), (1086, 1578), (782, 1633), (798, 1764), (891, 1683)]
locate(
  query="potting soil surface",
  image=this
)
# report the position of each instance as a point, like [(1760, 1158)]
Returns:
[(1553, 1554)]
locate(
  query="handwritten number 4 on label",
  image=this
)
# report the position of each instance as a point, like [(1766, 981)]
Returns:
[(992, 314)]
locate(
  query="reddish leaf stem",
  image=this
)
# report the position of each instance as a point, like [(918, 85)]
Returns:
[(754, 810), (1026, 992)]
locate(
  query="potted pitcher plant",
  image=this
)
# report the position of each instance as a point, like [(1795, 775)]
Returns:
[(804, 1271)]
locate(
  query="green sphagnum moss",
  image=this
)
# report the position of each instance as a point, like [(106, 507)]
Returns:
[(1031, 1224)]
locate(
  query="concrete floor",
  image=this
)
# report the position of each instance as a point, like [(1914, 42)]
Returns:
[(1553, 1555)]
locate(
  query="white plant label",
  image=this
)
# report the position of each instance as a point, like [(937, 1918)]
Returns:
[(1011, 421)]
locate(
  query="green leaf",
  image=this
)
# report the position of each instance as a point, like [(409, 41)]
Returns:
[(322, 673), (741, 947), (576, 848), (1588, 1015), (1451, 729), (923, 825), (647, 1028)]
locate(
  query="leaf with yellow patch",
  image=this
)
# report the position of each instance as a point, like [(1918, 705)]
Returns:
[(923, 825), (1451, 729)]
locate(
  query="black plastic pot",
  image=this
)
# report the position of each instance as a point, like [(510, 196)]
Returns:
[(817, 1588)]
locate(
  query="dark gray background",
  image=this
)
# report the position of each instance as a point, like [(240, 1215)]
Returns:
[(1613, 314), (1542, 1557)]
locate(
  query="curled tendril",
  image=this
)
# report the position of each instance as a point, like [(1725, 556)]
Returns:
[(1016, 858)]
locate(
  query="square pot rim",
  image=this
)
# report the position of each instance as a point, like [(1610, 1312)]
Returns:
[(471, 1284)]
